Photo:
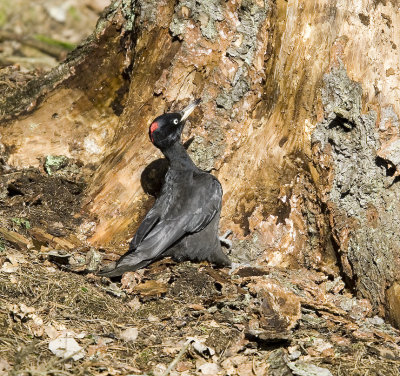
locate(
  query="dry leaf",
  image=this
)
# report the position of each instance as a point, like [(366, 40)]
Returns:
[(130, 280), (8, 268), (129, 335), (320, 345), (20, 311), (51, 331), (36, 325), (245, 369), (16, 258), (134, 304), (184, 366), (99, 348), (4, 366), (152, 318), (307, 369), (209, 369), (150, 288), (66, 347), (196, 307)]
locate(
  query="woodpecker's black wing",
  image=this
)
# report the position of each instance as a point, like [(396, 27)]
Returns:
[(186, 205), (205, 203)]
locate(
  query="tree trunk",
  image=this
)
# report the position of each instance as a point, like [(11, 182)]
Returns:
[(298, 121)]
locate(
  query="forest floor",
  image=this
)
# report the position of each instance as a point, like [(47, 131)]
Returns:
[(58, 318)]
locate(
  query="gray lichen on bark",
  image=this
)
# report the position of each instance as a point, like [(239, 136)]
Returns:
[(243, 49), (128, 8), (391, 151), (148, 11), (251, 17), (361, 191), (240, 86), (207, 12), (205, 153)]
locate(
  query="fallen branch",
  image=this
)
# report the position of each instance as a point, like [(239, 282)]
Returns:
[(178, 357)]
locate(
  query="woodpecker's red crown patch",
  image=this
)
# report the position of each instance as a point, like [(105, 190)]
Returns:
[(153, 127)]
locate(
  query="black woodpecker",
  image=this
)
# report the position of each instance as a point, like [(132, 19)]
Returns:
[(183, 223)]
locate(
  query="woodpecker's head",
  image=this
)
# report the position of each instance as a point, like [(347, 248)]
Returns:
[(166, 129)]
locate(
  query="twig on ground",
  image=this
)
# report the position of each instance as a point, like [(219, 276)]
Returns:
[(178, 357)]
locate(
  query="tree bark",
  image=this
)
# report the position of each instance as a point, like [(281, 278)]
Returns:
[(298, 121)]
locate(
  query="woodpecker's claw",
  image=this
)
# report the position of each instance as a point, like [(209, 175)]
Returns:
[(225, 241), (107, 268)]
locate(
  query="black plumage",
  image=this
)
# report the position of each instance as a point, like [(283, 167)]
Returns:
[(183, 223)]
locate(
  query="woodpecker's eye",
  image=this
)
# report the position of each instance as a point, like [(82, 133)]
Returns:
[(176, 121)]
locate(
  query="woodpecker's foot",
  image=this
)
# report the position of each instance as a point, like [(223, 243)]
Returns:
[(225, 241), (107, 269)]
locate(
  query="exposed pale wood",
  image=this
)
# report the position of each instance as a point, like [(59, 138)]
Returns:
[(15, 238), (51, 240)]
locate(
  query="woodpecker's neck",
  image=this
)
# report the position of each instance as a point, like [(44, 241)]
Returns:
[(178, 157)]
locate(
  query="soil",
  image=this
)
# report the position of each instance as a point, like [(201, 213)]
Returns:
[(39, 199)]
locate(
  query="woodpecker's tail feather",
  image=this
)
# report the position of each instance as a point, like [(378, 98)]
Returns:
[(162, 236)]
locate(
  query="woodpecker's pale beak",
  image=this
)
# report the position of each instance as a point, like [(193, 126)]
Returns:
[(189, 109)]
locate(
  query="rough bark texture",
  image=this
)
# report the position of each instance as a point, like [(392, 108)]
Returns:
[(298, 121)]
